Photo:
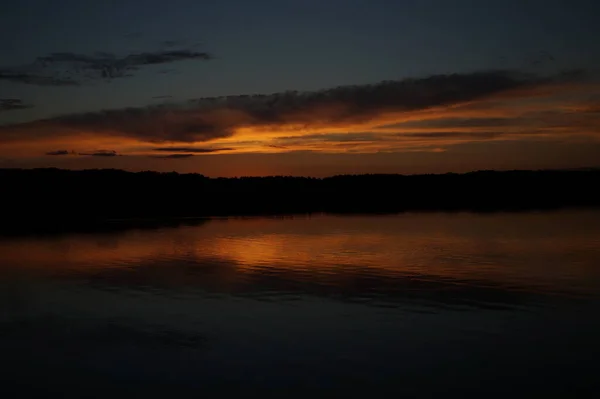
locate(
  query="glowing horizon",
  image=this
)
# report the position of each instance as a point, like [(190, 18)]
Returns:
[(400, 117)]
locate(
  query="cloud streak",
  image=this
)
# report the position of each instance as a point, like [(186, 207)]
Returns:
[(403, 115), (29, 75), (100, 153), (210, 118), (194, 150), (58, 152), (73, 69), (11, 104)]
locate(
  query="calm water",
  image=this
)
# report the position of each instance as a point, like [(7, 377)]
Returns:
[(416, 304)]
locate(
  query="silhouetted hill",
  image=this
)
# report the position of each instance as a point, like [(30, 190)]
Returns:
[(47, 197)]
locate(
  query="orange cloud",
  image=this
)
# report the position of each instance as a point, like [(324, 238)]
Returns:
[(428, 114)]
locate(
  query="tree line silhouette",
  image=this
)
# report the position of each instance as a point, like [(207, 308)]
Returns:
[(55, 197)]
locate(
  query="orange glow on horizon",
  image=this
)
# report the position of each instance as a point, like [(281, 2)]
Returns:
[(546, 112)]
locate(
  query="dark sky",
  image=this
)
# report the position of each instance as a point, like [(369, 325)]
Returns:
[(467, 85)]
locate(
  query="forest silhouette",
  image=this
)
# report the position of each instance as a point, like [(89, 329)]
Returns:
[(55, 198)]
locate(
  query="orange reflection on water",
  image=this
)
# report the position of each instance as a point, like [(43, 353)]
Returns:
[(537, 249)]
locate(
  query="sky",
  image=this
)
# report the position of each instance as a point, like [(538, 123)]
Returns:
[(311, 87)]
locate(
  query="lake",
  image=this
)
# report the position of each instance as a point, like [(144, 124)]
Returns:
[(416, 304)]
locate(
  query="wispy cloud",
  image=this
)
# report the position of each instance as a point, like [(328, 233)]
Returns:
[(194, 150), (452, 135), (29, 75), (11, 104), (402, 115), (72, 69), (100, 153), (338, 137), (58, 152), (210, 118), (96, 153)]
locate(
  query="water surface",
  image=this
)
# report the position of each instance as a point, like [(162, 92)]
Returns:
[(414, 304)]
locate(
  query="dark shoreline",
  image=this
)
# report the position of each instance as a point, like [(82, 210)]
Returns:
[(48, 200)]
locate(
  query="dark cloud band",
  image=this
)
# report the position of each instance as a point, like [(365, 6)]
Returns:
[(100, 153), (206, 119), (72, 69), (11, 104), (58, 152), (191, 149)]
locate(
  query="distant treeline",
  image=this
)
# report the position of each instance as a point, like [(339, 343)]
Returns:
[(55, 196)]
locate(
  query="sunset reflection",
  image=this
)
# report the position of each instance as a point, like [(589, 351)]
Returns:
[(454, 247)]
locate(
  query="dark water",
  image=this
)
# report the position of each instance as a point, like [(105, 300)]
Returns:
[(417, 304)]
